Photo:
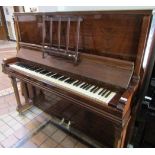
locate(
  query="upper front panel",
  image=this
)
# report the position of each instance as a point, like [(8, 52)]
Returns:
[(110, 34)]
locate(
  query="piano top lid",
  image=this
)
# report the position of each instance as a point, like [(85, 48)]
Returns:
[(117, 34), (143, 12)]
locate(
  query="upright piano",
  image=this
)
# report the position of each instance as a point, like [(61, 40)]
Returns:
[(90, 61)]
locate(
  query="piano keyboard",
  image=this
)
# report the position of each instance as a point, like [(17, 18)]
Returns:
[(94, 92)]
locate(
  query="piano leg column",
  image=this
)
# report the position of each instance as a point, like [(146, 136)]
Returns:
[(30, 89), (14, 84), (20, 107), (25, 93)]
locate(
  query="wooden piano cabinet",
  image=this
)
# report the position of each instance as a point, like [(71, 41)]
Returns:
[(109, 49)]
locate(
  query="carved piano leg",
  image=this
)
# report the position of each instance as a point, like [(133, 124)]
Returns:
[(30, 89), (14, 84), (20, 108), (25, 92)]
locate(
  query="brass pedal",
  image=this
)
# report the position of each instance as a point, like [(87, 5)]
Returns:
[(62, 121), (69, 124)]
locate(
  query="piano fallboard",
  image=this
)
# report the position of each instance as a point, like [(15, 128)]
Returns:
[(107, 70)]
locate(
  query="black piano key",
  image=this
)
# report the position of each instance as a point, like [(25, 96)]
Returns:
[(60, 77), (104, 93), (93, 89), (96, 89), (68, 80), (75, 83), (49, 74), (83, 85), (38, 70), (72, 80), (63, 78), (34, 68), (90, 85), (101, 91), (108, 94), (41, 71), (53, 75), (80, 82), (57, 76), (44, 72)]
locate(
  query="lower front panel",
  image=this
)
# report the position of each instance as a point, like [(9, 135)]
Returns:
[(86, 122)]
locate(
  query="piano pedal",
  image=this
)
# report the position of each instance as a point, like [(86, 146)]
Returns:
[(62, 121), (69, 124)]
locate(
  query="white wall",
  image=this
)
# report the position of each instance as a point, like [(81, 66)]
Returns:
[(9, 17), (87, 8)]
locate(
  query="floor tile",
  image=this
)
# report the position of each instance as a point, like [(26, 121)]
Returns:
[(1, 146), (7, 118), (81, 145), (1, 123), (2, 137), (58, 136), (32, 125), (30, 115), (24, 121), (69, 142), (8, 132), (49, 129), (39, 138), (17, 126), (40, 118), (12, 122), (4, 128), (21, 133), (36, 110), (29, 144), (10, 141), (59, 146), (49, 143)]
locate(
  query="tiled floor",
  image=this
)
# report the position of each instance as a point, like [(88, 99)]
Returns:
[(7, 44), (20, 130)]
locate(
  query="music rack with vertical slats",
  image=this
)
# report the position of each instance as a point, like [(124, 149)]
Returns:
[(58, 51)]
